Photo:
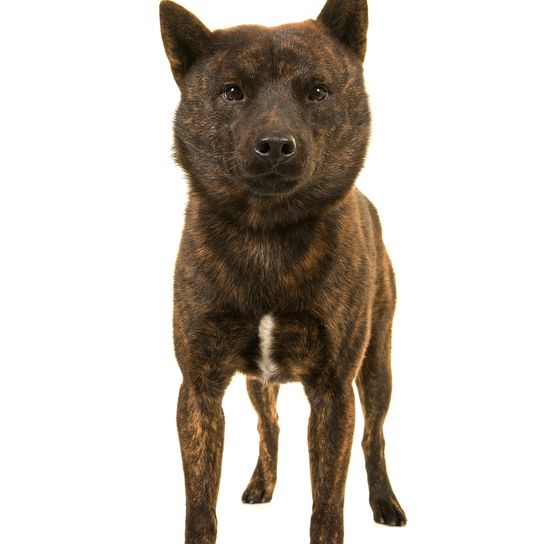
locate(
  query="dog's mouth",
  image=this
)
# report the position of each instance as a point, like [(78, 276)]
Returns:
[(271, 184)]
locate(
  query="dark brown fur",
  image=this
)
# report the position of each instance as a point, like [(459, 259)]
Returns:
[(298, 242)]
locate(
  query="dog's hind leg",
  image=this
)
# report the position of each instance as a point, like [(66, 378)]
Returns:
[(262, 483), (374, 387)]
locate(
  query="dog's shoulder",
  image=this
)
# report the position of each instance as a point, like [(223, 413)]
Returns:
[(368, 214)]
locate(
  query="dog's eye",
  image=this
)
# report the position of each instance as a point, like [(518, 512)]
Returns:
[(318, 93), (232, 93)]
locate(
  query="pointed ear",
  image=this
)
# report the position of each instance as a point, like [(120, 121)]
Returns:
[(347, 20), (185, 38)]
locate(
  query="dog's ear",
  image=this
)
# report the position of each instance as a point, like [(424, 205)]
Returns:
[(185, 38), (347, 20)]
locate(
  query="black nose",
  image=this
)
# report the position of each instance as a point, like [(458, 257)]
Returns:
[(275, 147)]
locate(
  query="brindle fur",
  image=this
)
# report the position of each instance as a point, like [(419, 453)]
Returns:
[(301, 244)]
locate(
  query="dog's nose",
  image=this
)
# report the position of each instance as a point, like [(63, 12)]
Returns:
[(275, 147)]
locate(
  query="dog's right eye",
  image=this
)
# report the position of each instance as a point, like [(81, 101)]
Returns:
[(233, 93), (318, 93)]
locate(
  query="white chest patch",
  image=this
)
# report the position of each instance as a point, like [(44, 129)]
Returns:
[(265, 362)]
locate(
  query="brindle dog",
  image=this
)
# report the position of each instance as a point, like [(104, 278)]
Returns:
[(282, 273)]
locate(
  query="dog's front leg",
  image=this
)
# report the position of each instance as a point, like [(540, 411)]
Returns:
[(201, 430), (330, 435)]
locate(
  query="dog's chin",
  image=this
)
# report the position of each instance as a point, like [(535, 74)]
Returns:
[(271, 185)]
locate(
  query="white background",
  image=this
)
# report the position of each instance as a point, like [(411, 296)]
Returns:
[(91, 209)]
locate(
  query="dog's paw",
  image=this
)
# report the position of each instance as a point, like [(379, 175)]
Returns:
[(388, 511), (258, 491)]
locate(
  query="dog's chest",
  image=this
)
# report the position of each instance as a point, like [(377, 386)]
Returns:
[(259, 272), (265, 360), (285, 347)]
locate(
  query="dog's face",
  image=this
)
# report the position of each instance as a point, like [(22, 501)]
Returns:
[(270, 113)]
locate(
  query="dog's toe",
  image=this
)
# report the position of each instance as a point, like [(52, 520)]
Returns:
[(257, 492), (388, 511)]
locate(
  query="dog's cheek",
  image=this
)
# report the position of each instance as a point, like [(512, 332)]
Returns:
[(340, 137), (202, 126), (327, 124)]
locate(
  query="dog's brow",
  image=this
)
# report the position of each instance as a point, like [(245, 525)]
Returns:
[(252, 72), (235, 71)]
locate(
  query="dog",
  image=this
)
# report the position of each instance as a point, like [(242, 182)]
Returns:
[(281, 274)]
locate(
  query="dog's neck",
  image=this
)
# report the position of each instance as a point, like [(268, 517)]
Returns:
[(267, 215)]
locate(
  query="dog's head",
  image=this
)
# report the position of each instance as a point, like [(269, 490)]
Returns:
[(271, 117)]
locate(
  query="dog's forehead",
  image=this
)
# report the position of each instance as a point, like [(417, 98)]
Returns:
[(301, 49)]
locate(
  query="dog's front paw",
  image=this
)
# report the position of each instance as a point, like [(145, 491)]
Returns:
[(258, 491), (388, 511), (327, 526)]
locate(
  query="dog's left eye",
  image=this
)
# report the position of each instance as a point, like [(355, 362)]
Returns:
[(318, 93), (232, 93)]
